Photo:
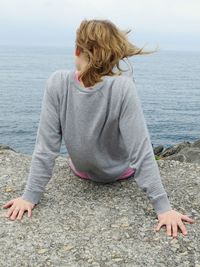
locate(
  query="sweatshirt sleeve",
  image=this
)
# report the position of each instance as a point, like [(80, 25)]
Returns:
[(136, 138), (48, 143)]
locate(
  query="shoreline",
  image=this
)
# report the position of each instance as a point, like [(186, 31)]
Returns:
[(184, 151)]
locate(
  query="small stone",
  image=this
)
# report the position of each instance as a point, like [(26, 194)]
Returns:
[(118, 259), (42, 250), (176, 245), (174, 241), (184, 253), (9, 189), (127, 235), (124, 225), (114, 225), (68, 247), (66, 227), (116, 237), (96, 264), (115, 255), (173, 249)]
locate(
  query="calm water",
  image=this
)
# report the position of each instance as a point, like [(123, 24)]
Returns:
[(168, 84)]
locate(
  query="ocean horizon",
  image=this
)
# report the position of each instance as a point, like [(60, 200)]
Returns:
[(168, 83)]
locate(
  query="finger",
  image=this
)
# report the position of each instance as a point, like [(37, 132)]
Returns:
[(10, 211), (174, 228), (14, 214), (157, 228), (20, 214), (182, 227), (29, 212), (188, 219), (168, 229), (8, 204)]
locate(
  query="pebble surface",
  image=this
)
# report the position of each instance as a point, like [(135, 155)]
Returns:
[(82, 223)]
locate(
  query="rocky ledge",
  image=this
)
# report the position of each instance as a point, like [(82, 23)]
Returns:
[(183, 152), (80, 223)]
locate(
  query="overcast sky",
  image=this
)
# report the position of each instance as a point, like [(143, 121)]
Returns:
[(172, 24)]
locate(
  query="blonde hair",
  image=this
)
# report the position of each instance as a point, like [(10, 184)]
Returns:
[(104, 45)]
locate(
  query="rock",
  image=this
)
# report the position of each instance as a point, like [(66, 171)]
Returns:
[(157, 150), (82, 223), (174, 149), (124, 225), (183, 152), (114, 226), (178, 157), (67, 247), (5, 147), (196, 143), (9, 189), (115, 255), (187, 154), (42, 250)]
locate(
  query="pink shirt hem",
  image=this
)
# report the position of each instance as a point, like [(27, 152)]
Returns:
[(130, 171)]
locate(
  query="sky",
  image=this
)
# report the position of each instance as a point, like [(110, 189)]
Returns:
[(171, 25)]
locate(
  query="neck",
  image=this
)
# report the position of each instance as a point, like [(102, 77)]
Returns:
[(77, 76)]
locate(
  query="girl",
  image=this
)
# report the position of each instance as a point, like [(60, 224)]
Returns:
[(99, 114)]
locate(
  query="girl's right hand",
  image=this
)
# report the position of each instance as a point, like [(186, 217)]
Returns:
[(17, 207)]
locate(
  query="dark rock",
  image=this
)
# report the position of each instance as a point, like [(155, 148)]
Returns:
[(174, 149), (157, 150), (2, 147)]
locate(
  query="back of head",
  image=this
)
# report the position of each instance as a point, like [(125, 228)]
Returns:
[(103, 44)]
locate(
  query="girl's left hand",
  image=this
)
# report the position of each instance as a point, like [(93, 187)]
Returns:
[(173, 219)]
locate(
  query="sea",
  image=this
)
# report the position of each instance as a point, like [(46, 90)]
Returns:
[(168, 84)]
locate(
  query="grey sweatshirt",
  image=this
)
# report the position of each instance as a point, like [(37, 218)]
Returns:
[(104, 131)]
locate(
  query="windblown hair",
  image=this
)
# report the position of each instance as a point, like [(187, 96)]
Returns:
[(104, 45)]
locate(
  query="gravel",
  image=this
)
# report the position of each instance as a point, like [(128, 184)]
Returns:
[(82, 223)]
